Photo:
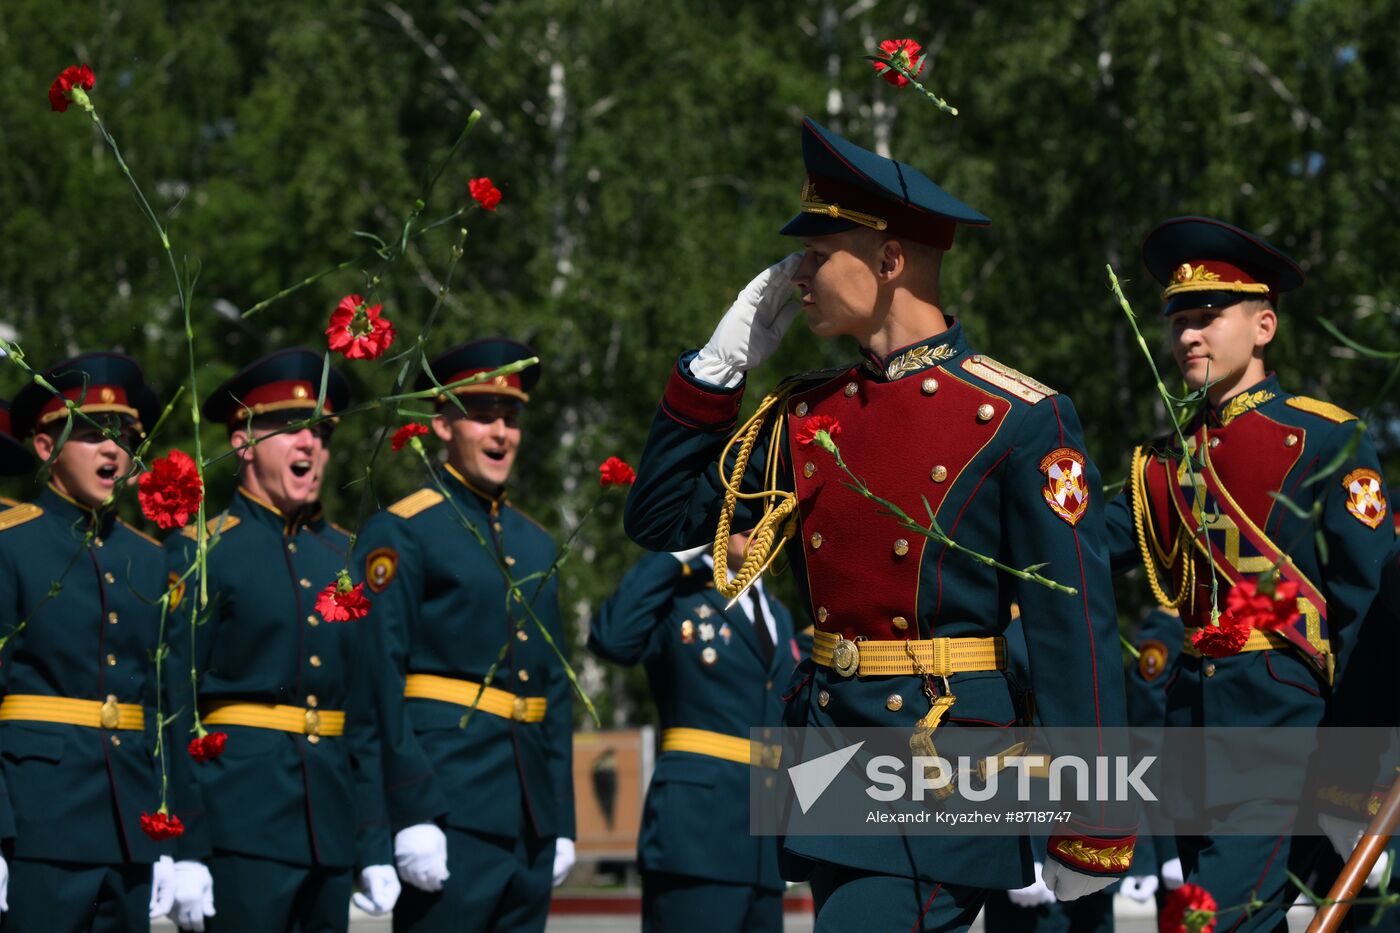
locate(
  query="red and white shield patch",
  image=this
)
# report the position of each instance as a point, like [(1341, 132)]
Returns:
[(1065, 490), (1365, 496)]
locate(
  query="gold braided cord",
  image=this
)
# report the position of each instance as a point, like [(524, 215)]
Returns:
[(778, 522), (1138, 477)]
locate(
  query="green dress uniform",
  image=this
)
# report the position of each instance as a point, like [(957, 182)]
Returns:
[(1000, 460), (1260, 442), (502, 785), (714, 676), (293, 805), (79, 716)]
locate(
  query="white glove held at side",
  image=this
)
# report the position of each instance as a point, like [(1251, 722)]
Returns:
[(378, 890), (1035, 894), (1140, 887), (1345, 834), (194, 896), (1070, 885), (1172, 875), (750, 330), (4, 885), (563, 859), (162, 887), (420, 852)]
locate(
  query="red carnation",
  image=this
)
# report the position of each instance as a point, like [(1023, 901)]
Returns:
[(1189, 909), (163, 825), (73, 81), (807, 434), (208, 746), (1223, 640), (905, 52), (615, 472), (341, 602), (357, 330), (484, 193), (170, 492), (1258, 608), (406, 433)]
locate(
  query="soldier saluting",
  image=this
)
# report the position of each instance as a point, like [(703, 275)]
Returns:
[(999, 457)]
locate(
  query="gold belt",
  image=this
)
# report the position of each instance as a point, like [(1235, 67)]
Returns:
[(719, 745), (1258, 641), (935, 657), (95, 714), (312, 723), (501, 703)]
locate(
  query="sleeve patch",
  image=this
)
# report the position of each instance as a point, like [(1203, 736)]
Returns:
[(1066, 491), (1152, 659), (1365, 496), (380, 566)]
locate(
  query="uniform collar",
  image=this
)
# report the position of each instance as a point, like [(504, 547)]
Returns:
[(1247, 400), (487, 501), (71, 512), (260, 510), (916, 357)]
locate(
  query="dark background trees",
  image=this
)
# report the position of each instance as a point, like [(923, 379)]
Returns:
[(648, 152)]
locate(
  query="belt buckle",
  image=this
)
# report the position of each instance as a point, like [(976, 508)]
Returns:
[(845, 657), (518, 709), (313, 723), (110, 716)]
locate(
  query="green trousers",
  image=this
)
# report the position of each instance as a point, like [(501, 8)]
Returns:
[(72, 897), (684, 904), (253, 893), (494, 884)]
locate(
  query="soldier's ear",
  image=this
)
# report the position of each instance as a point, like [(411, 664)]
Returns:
[(892, 259), (43, 444), (1265, 327), (441, 428), (238, 440)]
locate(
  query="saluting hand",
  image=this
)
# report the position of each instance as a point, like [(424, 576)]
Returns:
[(751, 329)]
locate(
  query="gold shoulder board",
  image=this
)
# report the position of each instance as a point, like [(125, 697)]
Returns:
[(411, 505), (137, 531), (1004, 377), (24, 512), (1320, 408), (216, 525)]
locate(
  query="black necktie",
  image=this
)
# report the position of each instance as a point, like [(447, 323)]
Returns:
[(760, 628)]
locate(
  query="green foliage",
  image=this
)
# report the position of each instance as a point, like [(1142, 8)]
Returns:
[(648, 152)]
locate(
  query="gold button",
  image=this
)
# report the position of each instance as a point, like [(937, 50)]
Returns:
[(938, 474), (1215, 442), (894, 703), (112, 579), (900, 623), (977, 358), (496, 526), (1210, 670), (305, 583), (314, 739), (112, 618), (851, 389), (510, 561), (523, 675), (823, 698), (315, 660), (116, 740), (291, 547), (521, 634), (801, 409), (312, 620), (1290, 440), (808, 469), (99, 542), (311, 700), (901, 547), (821, 613), (767, 782), (768, 685), (111, 660), (816, 540), (929, 385), (985, 412), (109, 716)]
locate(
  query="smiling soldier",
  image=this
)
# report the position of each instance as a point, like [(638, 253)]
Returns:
[(290, 804), (502, 787)]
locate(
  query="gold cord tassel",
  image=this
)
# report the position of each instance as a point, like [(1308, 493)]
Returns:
[(778, 522)]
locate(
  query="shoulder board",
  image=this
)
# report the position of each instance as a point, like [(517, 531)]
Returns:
[(412, 504), (1006, 378), (816, 375), (24, 512), (216, 525), (1320, 408), (6, 500), (137, 531)]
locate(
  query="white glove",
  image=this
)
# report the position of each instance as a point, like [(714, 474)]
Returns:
[(563, 859), (1172, 875), (1345, 834), (420, 852), (689, 554), (378, 890), (1035, 894), (162, 887), (4, 885), (1140, 887), (1071, 885), (750, 330), (194, 896)]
